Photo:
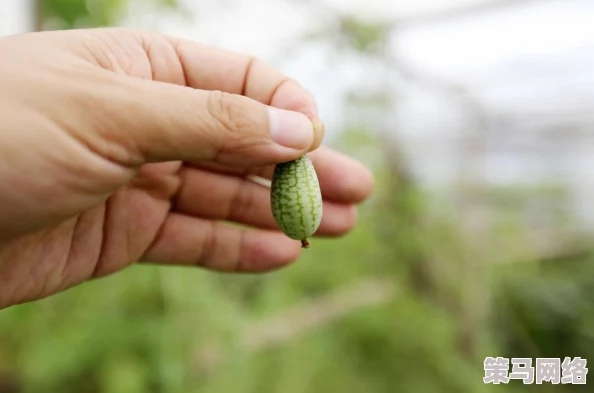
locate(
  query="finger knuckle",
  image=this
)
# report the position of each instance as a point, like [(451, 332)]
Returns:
[(242, 204), (225, 111)]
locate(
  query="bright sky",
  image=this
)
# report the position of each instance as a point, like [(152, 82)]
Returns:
[(484, 41), (15, 16), (391, 9)]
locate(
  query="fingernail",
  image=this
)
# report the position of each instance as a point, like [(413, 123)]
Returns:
[(290, 129), (319, 131)]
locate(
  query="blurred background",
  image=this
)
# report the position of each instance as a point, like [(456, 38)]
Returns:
[(477, 118)]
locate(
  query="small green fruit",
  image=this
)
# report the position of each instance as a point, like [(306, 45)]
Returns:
[(296, 199)]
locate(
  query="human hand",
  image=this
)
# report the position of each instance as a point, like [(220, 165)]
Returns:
[(118, 146)]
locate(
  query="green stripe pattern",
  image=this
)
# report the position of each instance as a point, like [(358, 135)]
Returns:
[(296, 198)]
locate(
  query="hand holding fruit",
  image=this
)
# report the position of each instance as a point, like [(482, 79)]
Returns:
[(296, 199), (118, 146)]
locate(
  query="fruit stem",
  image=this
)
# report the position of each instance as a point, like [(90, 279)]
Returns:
[(304, 243)]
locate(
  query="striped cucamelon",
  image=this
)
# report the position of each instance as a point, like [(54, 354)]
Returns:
[(296, 199)]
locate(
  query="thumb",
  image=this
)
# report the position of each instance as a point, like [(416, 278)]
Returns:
[(154, 121)]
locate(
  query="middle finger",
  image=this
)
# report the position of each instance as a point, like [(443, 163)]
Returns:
[(342, 179), (225, 197)]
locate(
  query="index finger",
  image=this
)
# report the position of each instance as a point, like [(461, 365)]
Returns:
[(210, 68)]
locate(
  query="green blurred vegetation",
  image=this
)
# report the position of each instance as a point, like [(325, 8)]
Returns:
[(405, 303), (69, 14)]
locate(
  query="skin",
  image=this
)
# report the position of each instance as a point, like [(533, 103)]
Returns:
[(118, 146)]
